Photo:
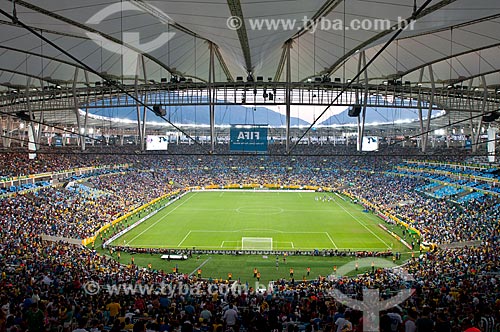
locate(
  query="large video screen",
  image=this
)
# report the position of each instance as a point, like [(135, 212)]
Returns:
[(370, 143), (154, 143)]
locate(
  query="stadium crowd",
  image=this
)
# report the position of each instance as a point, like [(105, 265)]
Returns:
[(44, 285), (436, 218)]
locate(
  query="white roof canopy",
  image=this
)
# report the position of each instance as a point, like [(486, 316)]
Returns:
[(459, 38)]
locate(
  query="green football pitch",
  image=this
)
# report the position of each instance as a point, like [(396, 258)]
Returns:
[(235, 220)]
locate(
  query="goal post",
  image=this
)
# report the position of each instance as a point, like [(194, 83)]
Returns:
[(256, 243)]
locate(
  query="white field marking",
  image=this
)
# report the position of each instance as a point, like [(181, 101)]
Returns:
[(239, 247), (200, 266), (322, 210), (209, 210), (300, 195), (224, 242), (222, 193), (283, 210), (237, 231), (252, 230), (342, 198), (331, 240), (169, 212), (293, 247), (184, 239), (359, 222)]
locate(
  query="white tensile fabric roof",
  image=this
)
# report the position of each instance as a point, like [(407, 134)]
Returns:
[(460, 38)]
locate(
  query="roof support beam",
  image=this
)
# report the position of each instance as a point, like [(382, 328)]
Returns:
[(26, 74), (281, 64), (470, 103), (13, 49), (211, 97), (88, 29), (145, 102), (424, 128), (429, 112), (288, 99), (222, 63), (236, 11), (456, 55), (347, 55), (80, 127), (477, 134), (31, 126), (326, 9), (7, 132), (361, 128), (419, 105), (161, 16), (141, 124), (322, 12)]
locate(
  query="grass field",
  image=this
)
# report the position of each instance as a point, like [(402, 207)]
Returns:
[(293, 220)]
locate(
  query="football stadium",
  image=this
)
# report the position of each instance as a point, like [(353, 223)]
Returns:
[(248, 166)]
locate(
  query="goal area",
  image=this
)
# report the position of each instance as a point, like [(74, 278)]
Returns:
[(256, 243)]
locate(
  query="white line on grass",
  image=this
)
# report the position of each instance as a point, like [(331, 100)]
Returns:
[(169, 212), (342, 198), (250, 230), (222, 244), (331, 240), (201, 265), (184, 239), (359, 222), (302, 248), (287, 242), (284, 210)]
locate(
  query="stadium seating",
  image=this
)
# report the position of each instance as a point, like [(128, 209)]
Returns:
[(461, 282)]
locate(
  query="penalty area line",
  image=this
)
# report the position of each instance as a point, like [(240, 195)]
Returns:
[(331, 240), (184, 239), (163, 217)]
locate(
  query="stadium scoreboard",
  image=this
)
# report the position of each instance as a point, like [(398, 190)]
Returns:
[(248, 138)]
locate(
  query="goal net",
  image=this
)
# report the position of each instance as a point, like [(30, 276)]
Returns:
[(256, 243)]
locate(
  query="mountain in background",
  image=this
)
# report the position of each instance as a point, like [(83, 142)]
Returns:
[(199, 115), (381, 114), (238, 114), (374, 115), (231, 114)]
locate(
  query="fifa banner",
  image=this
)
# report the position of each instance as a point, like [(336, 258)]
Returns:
[(155, 143), (370, 143), (248, 138)]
